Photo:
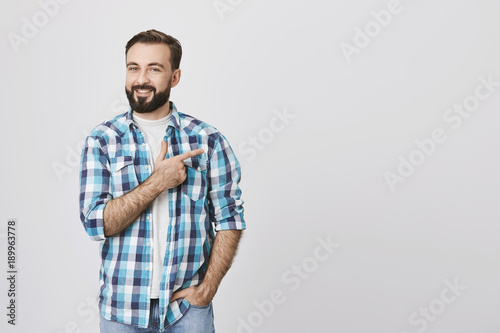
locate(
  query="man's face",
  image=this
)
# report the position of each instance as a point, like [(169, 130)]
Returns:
[(149, 76)]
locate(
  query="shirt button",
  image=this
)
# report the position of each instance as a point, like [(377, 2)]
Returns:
[(149, 243), (147, 167), (147, 268), (199, 169), (143, 144)]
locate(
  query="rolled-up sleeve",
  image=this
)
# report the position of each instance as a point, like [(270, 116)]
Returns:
[(224, 174), (95, 178)]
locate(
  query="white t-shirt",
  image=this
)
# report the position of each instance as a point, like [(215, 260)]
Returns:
[(154, 132)]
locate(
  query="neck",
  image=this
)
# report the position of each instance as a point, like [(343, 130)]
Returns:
[(159, 113)]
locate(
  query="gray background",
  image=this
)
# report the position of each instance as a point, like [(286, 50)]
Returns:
[(320, 174)]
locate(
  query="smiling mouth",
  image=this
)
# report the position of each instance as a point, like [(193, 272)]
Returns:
[(143, 92)]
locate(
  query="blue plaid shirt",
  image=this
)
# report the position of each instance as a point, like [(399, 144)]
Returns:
[(114, 161)]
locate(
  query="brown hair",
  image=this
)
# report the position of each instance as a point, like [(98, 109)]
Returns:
[(158, 37)]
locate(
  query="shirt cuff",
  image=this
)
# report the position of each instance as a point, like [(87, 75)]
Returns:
[(95, 223), (232, 222)]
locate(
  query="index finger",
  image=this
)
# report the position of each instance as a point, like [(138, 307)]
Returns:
[(188, 154)]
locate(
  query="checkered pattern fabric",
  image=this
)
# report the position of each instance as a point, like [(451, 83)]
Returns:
[(114, 161)]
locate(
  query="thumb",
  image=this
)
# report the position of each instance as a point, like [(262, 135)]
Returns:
[(178, 294), (163, 151)]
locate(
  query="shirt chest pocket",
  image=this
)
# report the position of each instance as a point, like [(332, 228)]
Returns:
[(123, 177), (195, 185)]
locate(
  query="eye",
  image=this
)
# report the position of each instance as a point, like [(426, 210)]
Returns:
[(154, 69), (132, 69)]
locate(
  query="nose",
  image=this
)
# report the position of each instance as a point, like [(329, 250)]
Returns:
[(142, 78)]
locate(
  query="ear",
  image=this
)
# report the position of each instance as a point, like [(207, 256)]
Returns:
[(176, 77)]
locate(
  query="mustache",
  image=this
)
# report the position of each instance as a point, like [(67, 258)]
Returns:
[(144, 86)]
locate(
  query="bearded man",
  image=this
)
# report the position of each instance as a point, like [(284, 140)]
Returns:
[(159, 191)]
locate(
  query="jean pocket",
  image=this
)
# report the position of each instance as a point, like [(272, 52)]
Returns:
[(201, 307)]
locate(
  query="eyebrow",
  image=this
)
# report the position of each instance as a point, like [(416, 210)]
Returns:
[(149, 65), (156, 64)]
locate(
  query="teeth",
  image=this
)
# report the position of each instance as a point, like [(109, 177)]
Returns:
[(143, 91)]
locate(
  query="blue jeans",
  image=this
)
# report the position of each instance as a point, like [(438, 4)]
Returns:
[(197, 319)]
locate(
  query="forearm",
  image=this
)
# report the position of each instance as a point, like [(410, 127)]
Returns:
[(119, 213), (223, 252)]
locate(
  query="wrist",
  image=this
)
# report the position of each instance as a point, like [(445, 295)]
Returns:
[(208, 290), (154, 184)]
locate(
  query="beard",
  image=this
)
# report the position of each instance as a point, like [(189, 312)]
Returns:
[(141, 105)]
